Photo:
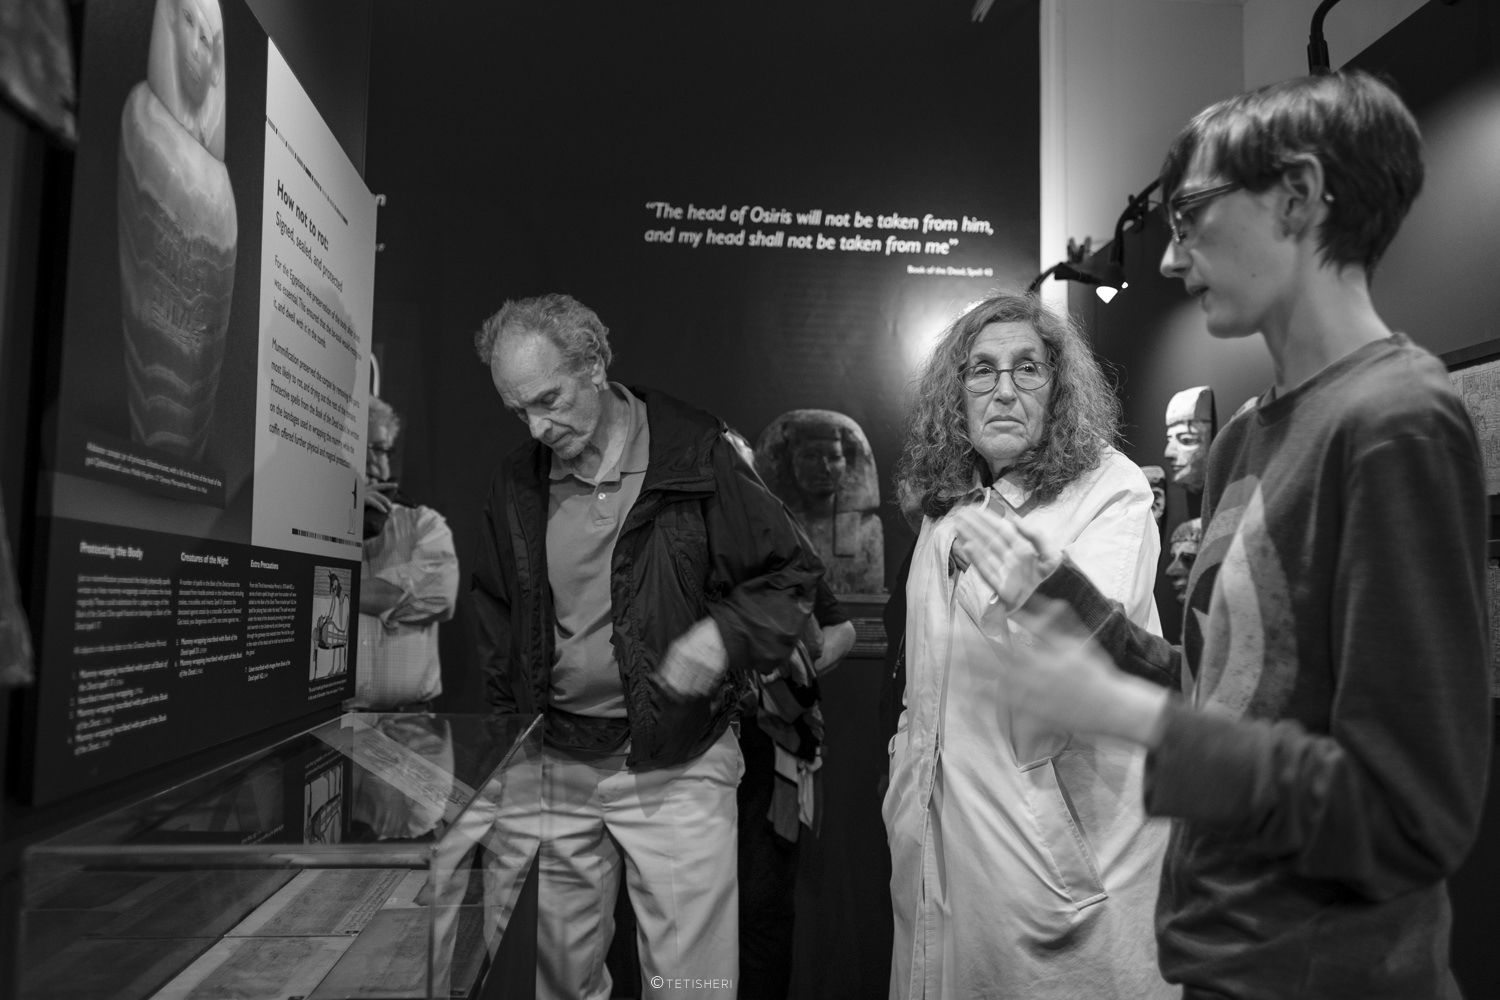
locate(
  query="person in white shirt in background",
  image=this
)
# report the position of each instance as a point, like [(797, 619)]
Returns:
[(408, 584)]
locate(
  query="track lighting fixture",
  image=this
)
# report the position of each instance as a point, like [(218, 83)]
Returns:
[(1111, 277), (1317, 46), (1067, 270)]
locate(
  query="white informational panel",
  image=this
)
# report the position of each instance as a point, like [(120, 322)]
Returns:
[(317, 286), (202, 548)]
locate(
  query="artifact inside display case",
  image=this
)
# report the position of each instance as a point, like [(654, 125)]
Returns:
[(373, 856)]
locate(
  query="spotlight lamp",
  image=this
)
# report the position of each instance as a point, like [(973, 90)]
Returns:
[(1062, 271), (1111, 278)]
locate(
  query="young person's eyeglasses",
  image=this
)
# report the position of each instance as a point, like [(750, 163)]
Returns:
[(1182, 211), (982, 377)]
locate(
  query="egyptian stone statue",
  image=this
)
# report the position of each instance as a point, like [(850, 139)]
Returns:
[(1157, 477), (1190, 429), (1185, 539), (819, 463)]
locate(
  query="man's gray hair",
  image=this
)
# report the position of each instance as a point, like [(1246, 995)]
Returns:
[(574, 329), (383, 414)]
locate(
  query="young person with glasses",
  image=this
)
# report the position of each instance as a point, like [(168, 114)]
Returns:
[(1324, 766), (1022, 862)]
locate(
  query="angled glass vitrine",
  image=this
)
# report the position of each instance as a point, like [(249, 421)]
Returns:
[(374, 856)]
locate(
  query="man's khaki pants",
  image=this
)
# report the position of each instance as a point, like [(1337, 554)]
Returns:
[(675, 831)]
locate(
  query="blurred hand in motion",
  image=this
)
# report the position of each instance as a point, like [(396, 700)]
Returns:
[(377, 495), (1010, 556), (1068, 681), (694, 662)]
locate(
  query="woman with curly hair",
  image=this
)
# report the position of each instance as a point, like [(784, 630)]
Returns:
[(1022, 862)]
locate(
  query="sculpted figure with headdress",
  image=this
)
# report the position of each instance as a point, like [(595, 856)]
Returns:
[(820, 464)]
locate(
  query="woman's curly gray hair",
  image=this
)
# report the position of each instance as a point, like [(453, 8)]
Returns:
[(939, 466)]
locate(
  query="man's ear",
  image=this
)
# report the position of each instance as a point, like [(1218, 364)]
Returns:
[(1304, 195)]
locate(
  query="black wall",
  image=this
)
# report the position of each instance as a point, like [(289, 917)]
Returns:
[(523, 166), (518, 145)]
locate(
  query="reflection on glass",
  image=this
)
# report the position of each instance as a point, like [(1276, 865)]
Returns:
[(405, 840)]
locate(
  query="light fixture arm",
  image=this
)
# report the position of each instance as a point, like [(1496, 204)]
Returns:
[(1036, 282), (1064, 271), (1317, 46), (1136, 207)]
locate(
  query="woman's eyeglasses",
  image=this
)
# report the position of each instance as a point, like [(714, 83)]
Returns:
[(982, 377)]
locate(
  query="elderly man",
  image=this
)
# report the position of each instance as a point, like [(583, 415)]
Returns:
[(408, 584), (631, 572)]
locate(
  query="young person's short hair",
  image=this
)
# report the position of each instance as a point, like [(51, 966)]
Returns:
[(1361, 132)]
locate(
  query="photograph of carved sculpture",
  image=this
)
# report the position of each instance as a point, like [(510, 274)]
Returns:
[(1190, 428), (1157, 477), (1185, 539), (820, 464), (177, 230)]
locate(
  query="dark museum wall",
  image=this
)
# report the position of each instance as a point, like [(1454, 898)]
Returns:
[(328, 47), (538, 179), (534, 170), (1437, 283)]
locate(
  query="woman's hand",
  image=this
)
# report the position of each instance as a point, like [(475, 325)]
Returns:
[(1010, 556)]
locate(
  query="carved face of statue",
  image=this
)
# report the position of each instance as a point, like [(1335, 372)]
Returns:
[(1187, 446), (1190, 427), (1185, 539), (197, 27), (1156, 476), (818, 465)]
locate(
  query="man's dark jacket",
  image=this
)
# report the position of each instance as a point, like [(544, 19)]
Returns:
[(705, 538)]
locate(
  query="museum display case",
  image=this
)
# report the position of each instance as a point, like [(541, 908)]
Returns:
[(376, 855)]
